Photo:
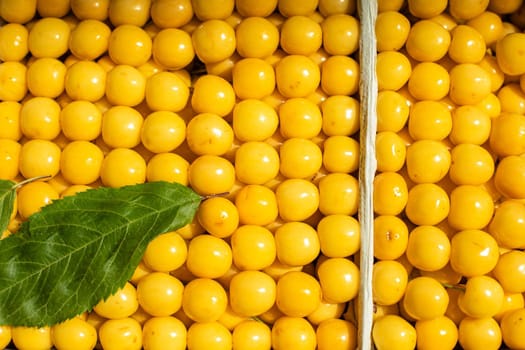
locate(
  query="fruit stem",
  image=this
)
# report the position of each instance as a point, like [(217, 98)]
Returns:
[(459, 287), (33, 179), (221, 194)]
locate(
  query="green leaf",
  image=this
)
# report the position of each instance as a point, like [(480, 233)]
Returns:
[(7, 200), (81, 249)]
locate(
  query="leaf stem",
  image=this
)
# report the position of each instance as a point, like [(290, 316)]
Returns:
[(33, 179)]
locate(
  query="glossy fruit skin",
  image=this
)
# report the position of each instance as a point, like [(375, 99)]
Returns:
[(511, 327), (32, 338), (253, 247), (13, 37), (438, 333), (208, 335), (338, 194), (208, 133), (393, 331), (390, 237), (172, 48), (326, 311), (340, 75), (340, 115), (428, 204), (429, 120), (341, 154), (470, 124), (471, 207), (390, 151), (467, 45), (511, 125), (213, 94), (509, 59), (333, 333), (252, 293), (427, 41), (392, 30), (49, 38), (483, 297), (167, 167), (257, 205), (204, 300), (393, 70), (81, 121), (254, 120), (509, 271), (428, 248), (297, 294), (39, 118), (121, 127), (300, 35), (293, 332), (473, 252), (33, 196), (158, 332), (476, 332), (123, 166), (339, 279), (125, 85), (210, 174), (14, 79), (299, 117), (74, 334), (166, 91), (297, 199), (339, 235), (508, 173), (10, 159), (299, 69), (85, 80), (80, 162), (470, 165), (256, 163), (251, 334), (427, 161), (45, 77), (121, 333), (216, 31), (425, 298), (5, 336), (163, 131), (429, 81), (160, 294), (208, 256), (166, 252), (469, 84), (121, 304), (296, 243), (389, 281), (390, 193)]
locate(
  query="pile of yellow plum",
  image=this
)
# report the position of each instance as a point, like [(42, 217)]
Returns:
[(253, 104)]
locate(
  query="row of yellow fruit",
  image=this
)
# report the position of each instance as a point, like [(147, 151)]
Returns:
[(254, 101), (448, 192)]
